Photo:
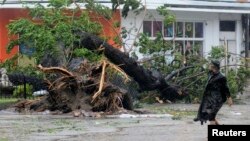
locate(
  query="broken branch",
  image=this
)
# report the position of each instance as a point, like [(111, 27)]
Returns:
[(104, 64), (118, 69), (54, 69)]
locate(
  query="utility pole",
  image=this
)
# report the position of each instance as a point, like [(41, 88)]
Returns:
[(247, 39), (247, 36)]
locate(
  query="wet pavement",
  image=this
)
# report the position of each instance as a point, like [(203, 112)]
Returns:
[(173, 123)]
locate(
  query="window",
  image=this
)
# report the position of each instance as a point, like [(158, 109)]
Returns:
[(157, 27), (25, 50), (168, 30), (199, 30), (179, 46), (187, 37), (189, 30), (151, 28), (26, 58), (227, 26), (198, 47), (179, 29), (147, 28)]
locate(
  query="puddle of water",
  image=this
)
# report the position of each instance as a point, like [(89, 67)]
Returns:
[(140, 116), (8, 112)]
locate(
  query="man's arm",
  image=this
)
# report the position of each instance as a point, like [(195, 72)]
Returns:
[(225, 90)]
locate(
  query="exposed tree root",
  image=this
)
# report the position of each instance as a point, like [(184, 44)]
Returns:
[(104, 65), (71, 91), (54, 69)]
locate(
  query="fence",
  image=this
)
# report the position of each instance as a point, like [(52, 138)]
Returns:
[(7, 90), (18, 85)]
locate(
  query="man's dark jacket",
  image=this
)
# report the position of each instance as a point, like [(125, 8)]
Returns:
[(215, 94)]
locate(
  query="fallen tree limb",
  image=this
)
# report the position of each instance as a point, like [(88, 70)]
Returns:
[(55, 69), (189, 77), (176, 72), (192, 82)]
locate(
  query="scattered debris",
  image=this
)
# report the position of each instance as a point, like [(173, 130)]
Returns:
[(77, 113), (236, 113), (158, 100), (40, 93)]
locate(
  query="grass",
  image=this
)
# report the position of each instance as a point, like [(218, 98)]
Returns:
[(6, 102), (51, 130), (177, 114), (62, 122), (3, 139), (67, 124)]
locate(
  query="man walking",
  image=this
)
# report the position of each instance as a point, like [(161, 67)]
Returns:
[(216, 93)]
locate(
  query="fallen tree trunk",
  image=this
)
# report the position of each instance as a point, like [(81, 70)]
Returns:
[(142, 76)]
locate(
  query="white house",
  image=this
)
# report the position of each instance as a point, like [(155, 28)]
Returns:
[(203, 23)]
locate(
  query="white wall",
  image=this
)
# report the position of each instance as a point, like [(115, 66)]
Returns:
[(211, 26)]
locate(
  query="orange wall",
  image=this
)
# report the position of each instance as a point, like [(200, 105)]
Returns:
[(108, 26), (7, 15)]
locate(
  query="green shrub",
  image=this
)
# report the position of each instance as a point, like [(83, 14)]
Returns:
[(19, 91), (83, 52)]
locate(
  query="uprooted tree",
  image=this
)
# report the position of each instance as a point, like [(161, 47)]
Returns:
[(77, 60)]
